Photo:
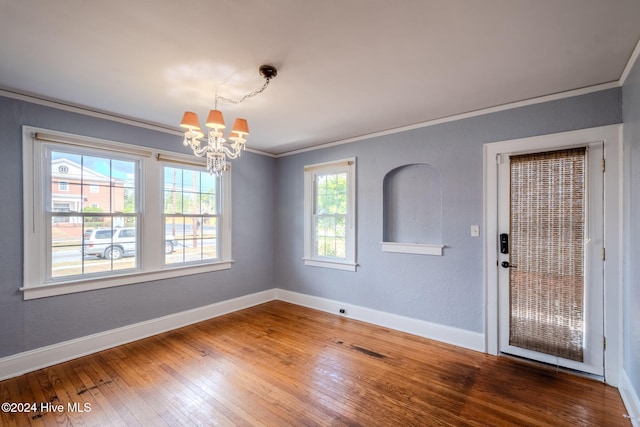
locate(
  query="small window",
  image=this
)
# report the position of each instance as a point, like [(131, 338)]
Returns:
[(94, 188), (191, 201), (63, 186), (330, 215)]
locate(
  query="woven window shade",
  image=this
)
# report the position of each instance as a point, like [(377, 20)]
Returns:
[(547, 252)]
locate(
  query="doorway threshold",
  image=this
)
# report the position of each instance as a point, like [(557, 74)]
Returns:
[(553, 368)]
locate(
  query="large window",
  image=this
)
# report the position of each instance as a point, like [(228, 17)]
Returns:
[(330, 215), (93, 215)]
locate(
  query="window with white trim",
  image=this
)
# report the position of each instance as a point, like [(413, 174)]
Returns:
[(329, 206), (76, 239), (191, 201), (88, 240)]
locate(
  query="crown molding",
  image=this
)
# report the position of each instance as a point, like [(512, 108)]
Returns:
[(455, 117), (560, 95), (630, 63), (79, 109), (9, 93)]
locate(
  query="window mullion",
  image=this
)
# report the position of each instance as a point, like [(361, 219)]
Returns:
[(148, 204)]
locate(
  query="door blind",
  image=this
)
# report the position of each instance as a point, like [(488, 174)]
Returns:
[(547, 252)]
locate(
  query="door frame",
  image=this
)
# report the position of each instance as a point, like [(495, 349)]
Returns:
[(611, 136)]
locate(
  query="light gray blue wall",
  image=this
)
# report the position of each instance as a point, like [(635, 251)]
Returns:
[(631, 310), (267, 205), (447, 290), (26, 325)]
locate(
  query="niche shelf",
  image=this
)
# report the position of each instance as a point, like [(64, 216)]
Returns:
[(412, 211)]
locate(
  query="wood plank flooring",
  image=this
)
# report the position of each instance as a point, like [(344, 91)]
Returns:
[(279, 364)]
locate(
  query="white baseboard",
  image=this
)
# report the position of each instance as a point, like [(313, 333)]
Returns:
[(630, 399), (29, 361), (43, 357), (450, 335)]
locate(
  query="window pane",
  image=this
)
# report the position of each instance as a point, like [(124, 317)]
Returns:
[(187, 235), (96, 169), (209, 249), (120, 198), (209, 203), (330, 236), (173, 190), (190, 180), (209, 229), (66, 246), (129, 200), (65, 168), (331, 194), (174, 233), (95, 195), (191, 203), (123, 171), (65, 164), (172, 202), (208, 183), (174, 226)]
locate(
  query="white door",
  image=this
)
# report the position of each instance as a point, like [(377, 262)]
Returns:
[(550, 256)]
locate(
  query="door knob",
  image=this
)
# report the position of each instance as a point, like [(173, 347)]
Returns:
[(505, 264)]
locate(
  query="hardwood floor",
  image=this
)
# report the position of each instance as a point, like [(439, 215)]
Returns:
[(280, 364)]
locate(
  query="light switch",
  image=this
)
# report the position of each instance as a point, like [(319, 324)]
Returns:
[(475, 230)]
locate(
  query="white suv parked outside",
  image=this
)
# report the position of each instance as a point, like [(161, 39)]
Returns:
[(116, 243)]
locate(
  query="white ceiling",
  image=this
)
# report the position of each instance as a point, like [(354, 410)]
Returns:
[(346, 67)]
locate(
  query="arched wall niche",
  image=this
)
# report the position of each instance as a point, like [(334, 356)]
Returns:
[(412, 210)]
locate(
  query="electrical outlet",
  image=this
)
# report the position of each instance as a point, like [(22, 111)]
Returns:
[(475, 230), (343, 311)]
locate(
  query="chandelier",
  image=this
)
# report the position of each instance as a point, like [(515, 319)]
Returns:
[(216, 148)]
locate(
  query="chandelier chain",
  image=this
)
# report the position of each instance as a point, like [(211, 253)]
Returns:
[(249, 95)]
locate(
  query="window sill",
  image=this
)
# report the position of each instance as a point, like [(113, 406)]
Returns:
[(336, 265), (62, 288), (412, 248)]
